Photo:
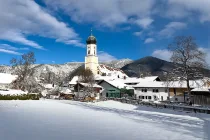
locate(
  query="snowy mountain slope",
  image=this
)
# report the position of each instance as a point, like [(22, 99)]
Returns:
[(153, 66), (63, 69), (118, 63), (5, 69)]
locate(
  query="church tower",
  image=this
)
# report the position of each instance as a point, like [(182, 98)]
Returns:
[(91, 59)]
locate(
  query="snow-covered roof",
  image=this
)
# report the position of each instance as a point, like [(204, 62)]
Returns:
[(150, 78), (48, 86), (89, 85), (138, 80), (151, 84), (74, 80), (118, 84), (183, 84), (12, 92), (174, 84), (110, 71), (99, 77), (65, 90), (201, 90), (6, 78)]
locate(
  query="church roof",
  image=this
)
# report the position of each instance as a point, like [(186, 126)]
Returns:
[(91, 40)]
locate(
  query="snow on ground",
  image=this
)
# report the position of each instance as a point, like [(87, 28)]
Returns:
[(12, 92), (70, 120)]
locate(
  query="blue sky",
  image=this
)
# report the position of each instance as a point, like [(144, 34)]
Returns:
[(57, 30)]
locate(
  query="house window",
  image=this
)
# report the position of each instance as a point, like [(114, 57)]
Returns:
[(155, 97), (166, 90), (149, 97), (142, 97), (145, 97), (155, 90), (143, 90)]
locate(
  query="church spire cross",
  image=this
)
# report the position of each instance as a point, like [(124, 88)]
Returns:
[(91, 31)]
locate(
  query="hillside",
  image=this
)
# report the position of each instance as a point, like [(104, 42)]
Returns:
[(147, 65), (63, 69), (153, 66)]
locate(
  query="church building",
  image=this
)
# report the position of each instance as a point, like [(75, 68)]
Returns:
[(92, 62)]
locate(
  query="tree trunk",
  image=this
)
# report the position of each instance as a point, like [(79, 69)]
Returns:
[(189, 90)]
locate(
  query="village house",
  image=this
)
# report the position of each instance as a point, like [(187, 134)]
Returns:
[(175, 91), (201, 96), (151, 91), (115, 88), (82, 90)]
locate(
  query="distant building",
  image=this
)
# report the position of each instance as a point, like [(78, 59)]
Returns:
[(115, 88), (151, 91), (201, 96), (82, 90)]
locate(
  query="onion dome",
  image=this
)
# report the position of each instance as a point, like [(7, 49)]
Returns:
[(91, 39)]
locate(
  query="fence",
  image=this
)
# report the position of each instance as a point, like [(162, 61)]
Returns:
[(164, 105)]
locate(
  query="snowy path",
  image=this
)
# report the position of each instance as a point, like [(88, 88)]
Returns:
[(65, 120)]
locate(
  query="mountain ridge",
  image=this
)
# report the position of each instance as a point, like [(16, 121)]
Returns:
[(152, 66), (147, 65)]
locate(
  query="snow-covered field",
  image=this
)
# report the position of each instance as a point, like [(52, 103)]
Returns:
[(108, 120)]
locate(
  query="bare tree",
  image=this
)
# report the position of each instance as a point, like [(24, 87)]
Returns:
[(23, 69), (48, 77), (189, 60), (86, 76)]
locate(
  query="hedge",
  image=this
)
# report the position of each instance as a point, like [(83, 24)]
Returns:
[(20, 97)]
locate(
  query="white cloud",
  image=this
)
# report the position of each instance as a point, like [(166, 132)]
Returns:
[(162, 54), (171, 28), (10, 52), (149, 40), (126, 28), (73, 42), (9, 47), (166, 54), (5, 48), (138, 33), (107, 13), (188, 8), (207, 52), (144, 22), (105, 57), (22, 18)]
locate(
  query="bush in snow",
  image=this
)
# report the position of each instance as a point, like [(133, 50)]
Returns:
[(20, 97)]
